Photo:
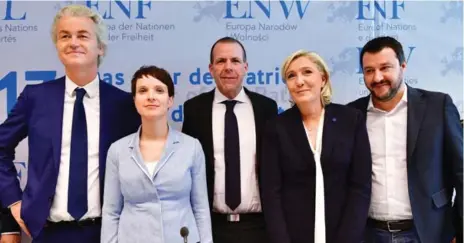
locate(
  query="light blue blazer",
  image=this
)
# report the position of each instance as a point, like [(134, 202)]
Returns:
[(140, 208)]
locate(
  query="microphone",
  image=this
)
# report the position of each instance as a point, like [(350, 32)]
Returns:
[(184, 232)]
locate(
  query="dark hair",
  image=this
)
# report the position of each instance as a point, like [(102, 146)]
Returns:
[(227, 40), (155, 72), (377, 44)]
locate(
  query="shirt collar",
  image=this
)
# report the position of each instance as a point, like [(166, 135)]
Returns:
[(219, 97), (92, 89), (404, 99)]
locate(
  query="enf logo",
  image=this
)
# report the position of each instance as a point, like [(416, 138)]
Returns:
[(7, 13), (248, 9), (132, 9), (347, 61), (386, 9)]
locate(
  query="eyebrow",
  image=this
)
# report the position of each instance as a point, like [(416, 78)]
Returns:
[(156, 86), (300, 69), (232, 58), (79, 32), (381, 65), (387, 64), (306, 68), (289, 72)]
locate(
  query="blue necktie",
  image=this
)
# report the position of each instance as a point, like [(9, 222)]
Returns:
[(232, 156), (77, 191)]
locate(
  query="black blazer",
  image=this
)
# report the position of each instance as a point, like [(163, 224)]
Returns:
[(288, 175), (8, 224), (434, 157), (198, 123)]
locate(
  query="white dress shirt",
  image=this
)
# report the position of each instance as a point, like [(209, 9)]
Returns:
[(151, 165), (243, 110), (59, 209), (319, 219), (387, 135)]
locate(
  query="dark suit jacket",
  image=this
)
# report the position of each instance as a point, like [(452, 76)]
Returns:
[(8, 223), (198, 123), (288, 175), (38, 115), (434, 157)]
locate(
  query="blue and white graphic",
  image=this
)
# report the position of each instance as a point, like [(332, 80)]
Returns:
[(453, 62), (342, 11), (347, 62), (452, 12), (209, 9), (177, 35), (254, 21)]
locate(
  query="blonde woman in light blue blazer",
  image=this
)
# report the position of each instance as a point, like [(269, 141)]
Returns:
[(155, 180)]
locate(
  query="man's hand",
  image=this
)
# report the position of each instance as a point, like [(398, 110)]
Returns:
[(16, 212), (11, 238)]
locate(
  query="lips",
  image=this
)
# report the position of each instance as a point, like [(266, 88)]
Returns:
[(375, 85), (75, 53)]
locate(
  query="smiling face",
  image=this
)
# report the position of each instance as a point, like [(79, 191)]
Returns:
[(152, 98), (304, 81), (383, 74), (228, 68), (76, 42)]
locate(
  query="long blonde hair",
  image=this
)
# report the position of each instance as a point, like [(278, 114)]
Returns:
[(326, 93)]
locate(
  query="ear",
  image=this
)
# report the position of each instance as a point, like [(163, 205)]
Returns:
[(101, 50), (246, 66), (210, 67), (170, 102), (403, 66)]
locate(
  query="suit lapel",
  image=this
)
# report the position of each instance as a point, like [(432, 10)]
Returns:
[(172, 143), (416, 111), (208, 125), (329, 133), (106, 109), (297, 132), (56, 106), (362, 104), (136, 155), (257, 115)]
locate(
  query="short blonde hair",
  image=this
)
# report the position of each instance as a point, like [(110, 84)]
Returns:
[(78, 10), (326, 93)]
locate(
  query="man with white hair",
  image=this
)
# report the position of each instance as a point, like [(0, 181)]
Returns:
[(70, 123)]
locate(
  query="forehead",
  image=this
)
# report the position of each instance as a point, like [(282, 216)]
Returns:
[(227, 50), (300, 63), (149, 81), (75, 24), (386, 55)]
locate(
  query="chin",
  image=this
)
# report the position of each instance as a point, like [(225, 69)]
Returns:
[(305, 98), (153, 116), (382, 95), (74, 63)]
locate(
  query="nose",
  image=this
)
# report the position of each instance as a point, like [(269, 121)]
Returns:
[(151, 95), (228, 65), (74, 42), (299, 80), (377, 76)]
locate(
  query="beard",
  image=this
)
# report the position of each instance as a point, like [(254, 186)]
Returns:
[(393, 90)]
